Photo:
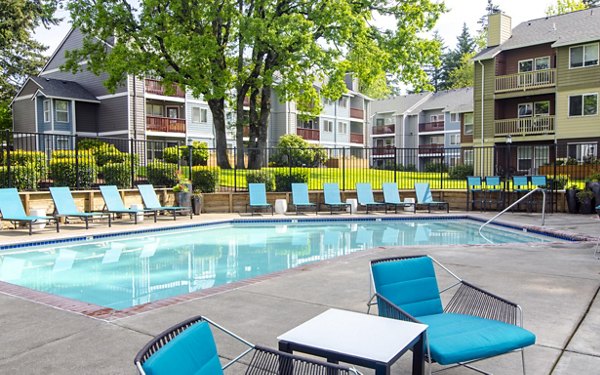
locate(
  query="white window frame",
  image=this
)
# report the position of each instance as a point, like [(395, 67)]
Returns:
[(579, 150), (436, 118), (380, 121), (469, 126), (535, 62), (527, 157), (454, 117), (47, 108), (525, 71), (66, 112), (62, 143), (530, 104), (583, 48), (541, 156), (328, 126), (343, 102), (342, 127), (454, 139), (468, 157), (535, 114), (196, 115), (582, 105)]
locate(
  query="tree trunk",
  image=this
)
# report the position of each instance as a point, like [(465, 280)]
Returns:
[(239, 128), (254, 159), (217, 107)]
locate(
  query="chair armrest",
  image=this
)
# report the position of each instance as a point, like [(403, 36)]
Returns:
[(471, 300), (386, 308), (270, 361)]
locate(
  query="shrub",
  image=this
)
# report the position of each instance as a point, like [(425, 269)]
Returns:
[(23, 177), (175, 153), (161, 174), (35, 163), (261, 177), (205, 179), (108, 153), (460, 172), (436, 167), (293, 150), (117, 174), (62, 154), (67, 171), (285, 179), (89, 143)]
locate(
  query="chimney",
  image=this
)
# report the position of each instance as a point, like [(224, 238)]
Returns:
[(499, 29)]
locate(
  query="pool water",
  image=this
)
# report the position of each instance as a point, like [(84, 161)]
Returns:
[(131, 270)]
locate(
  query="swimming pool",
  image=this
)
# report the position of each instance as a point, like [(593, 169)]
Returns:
[(124, 271)]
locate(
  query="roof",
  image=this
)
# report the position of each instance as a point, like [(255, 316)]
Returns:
[(561, 30), (459, 100), (57, 88), (398, 104)]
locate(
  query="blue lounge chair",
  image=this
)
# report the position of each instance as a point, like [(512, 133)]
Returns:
[(300, 197), (258, 198), (424, 198), (64, 206), (391, 197), (474, 325), (189, 348), (12, 210), (151, 202), (331, 193), (114, 204), (364, 193)]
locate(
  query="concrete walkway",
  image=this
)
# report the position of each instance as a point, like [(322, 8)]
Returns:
[(556, 284)]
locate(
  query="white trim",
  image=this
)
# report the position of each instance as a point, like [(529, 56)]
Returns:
[(87, 134), (30, 97), (74, 122), (68, 118), (164, 98), (130, 131), (46, 100), (583, 56), (57, 132), (110, 96), (22, 87), (56, 70), (35, 115), (116, 132), (164, 134), (51, 115), (66, 98)]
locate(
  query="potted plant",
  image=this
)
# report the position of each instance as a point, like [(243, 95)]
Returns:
[(593, 184), (585, 201), (572, 201), (182, 190)]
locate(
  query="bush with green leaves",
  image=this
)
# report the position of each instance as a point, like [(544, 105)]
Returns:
[(67, 171), (285, 179), (89, 143), (460, 172), (22, 177), (407, 168), (205, 179), (293, 150), (174, 154), (161, 174), (261, 176), (433, 166), (35, 163), (117, 174)]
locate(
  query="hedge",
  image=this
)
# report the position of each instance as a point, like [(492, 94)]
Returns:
[(284, 180), (261, 177), (36, 160), (117, 174), (460, 172), (161, 174), (205, 179), (24, 177), (66, 172), (175, 153)]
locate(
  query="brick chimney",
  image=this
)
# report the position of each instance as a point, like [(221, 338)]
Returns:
[(499, 29)]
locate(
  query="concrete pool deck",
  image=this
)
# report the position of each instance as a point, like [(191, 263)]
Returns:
[(556, 284)]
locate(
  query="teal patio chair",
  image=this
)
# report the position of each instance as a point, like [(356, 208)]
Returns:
[(540, 182), (520, 187), (473, 326), (64, 206), (12, 210), (151, 202), (189, 348), (494, 188), (424, 198), (364, 193), (391, 197), (332, 197), (258, 198), (300, 197), (114, 204), (475, 193)]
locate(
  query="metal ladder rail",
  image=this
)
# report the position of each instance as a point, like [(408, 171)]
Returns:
[(517, 202)]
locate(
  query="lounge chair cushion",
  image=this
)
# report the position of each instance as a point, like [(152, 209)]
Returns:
[(456, 337), (192, 352)]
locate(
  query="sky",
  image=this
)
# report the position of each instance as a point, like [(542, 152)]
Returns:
[(449, 24)]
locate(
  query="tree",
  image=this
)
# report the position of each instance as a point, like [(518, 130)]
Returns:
[(20, 55), (455, 60), (463, 75), (437, 73), (567, 6)]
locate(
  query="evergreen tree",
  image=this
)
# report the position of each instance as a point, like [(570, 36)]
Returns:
[(436, 72), (567, 6)]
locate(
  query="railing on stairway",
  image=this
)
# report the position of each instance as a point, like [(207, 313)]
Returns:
[(516, 203)]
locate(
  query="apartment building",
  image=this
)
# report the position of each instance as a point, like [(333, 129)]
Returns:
[(418, 129), (537, 86)]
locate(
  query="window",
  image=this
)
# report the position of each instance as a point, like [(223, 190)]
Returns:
[(583, 105), (468, 157), (154, 110), (525, 110), (454, 139), (583, 56), (199, 115), (343, 102), (583, 151), (62, 143), (542, 63), (46, 104), (61, 108), (379, 122), (541, 156), (436, 118), (454, 117), (525, 66), (524, 158), (541, 108), (342, 127), (328, 126), (468, 118)]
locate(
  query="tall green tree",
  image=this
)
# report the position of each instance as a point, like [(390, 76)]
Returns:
[(455, 59), (567, 6), (437, 73), (20, 54)]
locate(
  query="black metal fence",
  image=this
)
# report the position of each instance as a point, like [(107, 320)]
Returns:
[(35, 161)]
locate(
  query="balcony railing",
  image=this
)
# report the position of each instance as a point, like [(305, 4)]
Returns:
[(432, 148), (308, 134), (384, 129), (356, 138), (524, 81), (524, 126), (155, 86), (387, 150), (165, 124), (431, 126), (357, 113)]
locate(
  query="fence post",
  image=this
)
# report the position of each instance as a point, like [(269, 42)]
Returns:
[(396, 165), (8, 157), (78, 178), (289, 165), (132, 160), (343, 169), (442, 169), (190, 162), (235, 151)]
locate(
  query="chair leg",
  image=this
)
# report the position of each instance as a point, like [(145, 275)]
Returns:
[(523, 360), (30, 227), (87, 223)]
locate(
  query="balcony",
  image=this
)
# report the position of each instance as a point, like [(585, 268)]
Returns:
[(155, 86), (524, 126), (356, 138), (308, 134), (526, 81), (387, 150), (357, 113), (436, 126), (165, 124), (432, 148), (384, 129)]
